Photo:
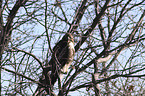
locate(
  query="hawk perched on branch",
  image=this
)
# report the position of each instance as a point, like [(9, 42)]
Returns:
[(62, 57)]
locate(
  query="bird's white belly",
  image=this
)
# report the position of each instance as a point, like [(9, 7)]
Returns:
[(71, 45)]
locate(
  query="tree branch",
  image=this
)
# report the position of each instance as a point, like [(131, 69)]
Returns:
[(30, 54), (12, 14), (78, 16), (19, 74), (132, 34), (91, 28), (89, 84)]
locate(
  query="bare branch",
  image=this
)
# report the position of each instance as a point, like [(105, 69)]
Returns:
[(132, 34), (19, 74), (89, 84), (30, 54), (78, 16), (91, 28), (12, 14)]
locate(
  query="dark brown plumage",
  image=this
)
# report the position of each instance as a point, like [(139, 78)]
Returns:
[(62, 57)]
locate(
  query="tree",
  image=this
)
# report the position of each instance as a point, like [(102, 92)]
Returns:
[(109, 46)]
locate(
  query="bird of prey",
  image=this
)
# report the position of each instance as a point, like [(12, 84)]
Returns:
[(62, 57)]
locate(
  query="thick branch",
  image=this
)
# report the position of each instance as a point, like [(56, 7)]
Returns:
[(6, 30), (12, 14), (1, 18), (78, 16), (91, 28)]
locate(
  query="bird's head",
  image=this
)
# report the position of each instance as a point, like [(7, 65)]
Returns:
[(68, 37)]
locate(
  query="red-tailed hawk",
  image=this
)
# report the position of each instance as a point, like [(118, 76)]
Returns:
[(62, 57)]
